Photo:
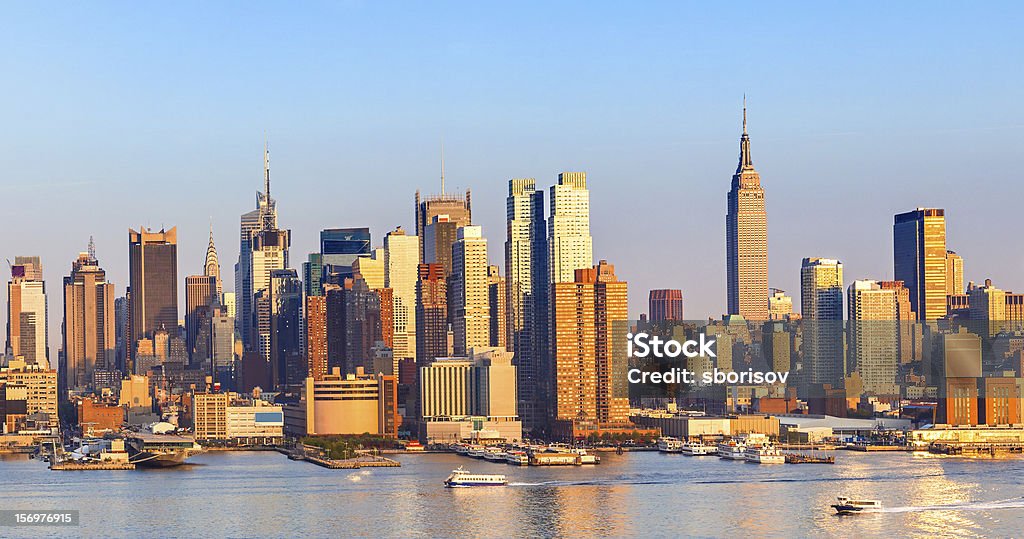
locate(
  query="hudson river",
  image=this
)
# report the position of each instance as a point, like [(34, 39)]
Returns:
[(636, 494)]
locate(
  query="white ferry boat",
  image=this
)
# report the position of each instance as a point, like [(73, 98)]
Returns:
[(494, 454), (464, 478), (519, 458), (732, 450), (476, 451), (766, 454), (696, 449), (848, 506), (669, 445)]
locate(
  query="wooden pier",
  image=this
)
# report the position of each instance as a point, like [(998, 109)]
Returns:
[(363, 459)]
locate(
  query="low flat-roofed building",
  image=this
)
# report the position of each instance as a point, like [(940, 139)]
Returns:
[(844, 426), (98, 417), (345, 404), (691, 426), (232, 419)]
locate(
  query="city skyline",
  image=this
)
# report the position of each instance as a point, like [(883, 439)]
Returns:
[(670, 139)]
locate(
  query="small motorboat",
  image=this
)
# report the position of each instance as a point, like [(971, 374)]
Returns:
[(849, 506)]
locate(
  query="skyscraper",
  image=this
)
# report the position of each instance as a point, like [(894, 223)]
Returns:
[(153, 271), (401, 261), (439, 236), (588, 347), (457, 209), (27, 332), (821, 304), (665, 305), (211, 268), (526, 284), (496, 302), (287, 358), (89, 339), (264, 217), (371, 268), (312, 274), (954, 273), (353, 324), (316, 336), (340, 247), (269, 254), (746, 238), (906, 317), (873, 336), (570, 246), (200, 298), (431, 314), (469, 293), (919, 259)]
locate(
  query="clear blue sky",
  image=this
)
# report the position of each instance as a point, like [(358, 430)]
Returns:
[(126, 114)]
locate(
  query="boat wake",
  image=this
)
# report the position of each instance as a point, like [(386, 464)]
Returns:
[(1011, 503)]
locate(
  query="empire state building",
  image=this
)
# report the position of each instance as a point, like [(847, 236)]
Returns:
[(746, 238)]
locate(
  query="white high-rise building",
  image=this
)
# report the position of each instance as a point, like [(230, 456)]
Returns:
[(401, 262), (874, 336), (264, 217), (27, 333), (526, 292), (469, 292), (821, 304), (570, 246)]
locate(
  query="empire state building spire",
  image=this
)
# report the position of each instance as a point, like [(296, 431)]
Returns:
[(746, 161)]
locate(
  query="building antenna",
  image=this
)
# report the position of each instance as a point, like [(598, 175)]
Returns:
[(744, 113), (92, 249), (266, 166), (442, 166)]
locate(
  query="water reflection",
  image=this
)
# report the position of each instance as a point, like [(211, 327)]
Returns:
[(639, 494)]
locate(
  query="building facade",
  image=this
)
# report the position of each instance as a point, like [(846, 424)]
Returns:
[(27, 328), (919, 259), (821, 305), (469, 294), (153, 271), (589, 323), (746, 238)]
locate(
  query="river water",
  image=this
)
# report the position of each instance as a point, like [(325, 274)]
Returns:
[(250, 494)]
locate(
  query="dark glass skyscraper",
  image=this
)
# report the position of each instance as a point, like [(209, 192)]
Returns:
[(153, 272), (340, 247), (919, 259)]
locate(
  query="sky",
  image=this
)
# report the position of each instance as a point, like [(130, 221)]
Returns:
[(121, 114)]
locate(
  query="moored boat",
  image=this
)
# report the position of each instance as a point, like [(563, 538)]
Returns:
[(766, 454), (667, 444), (519, 458), (732, 451), (695, 449)]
